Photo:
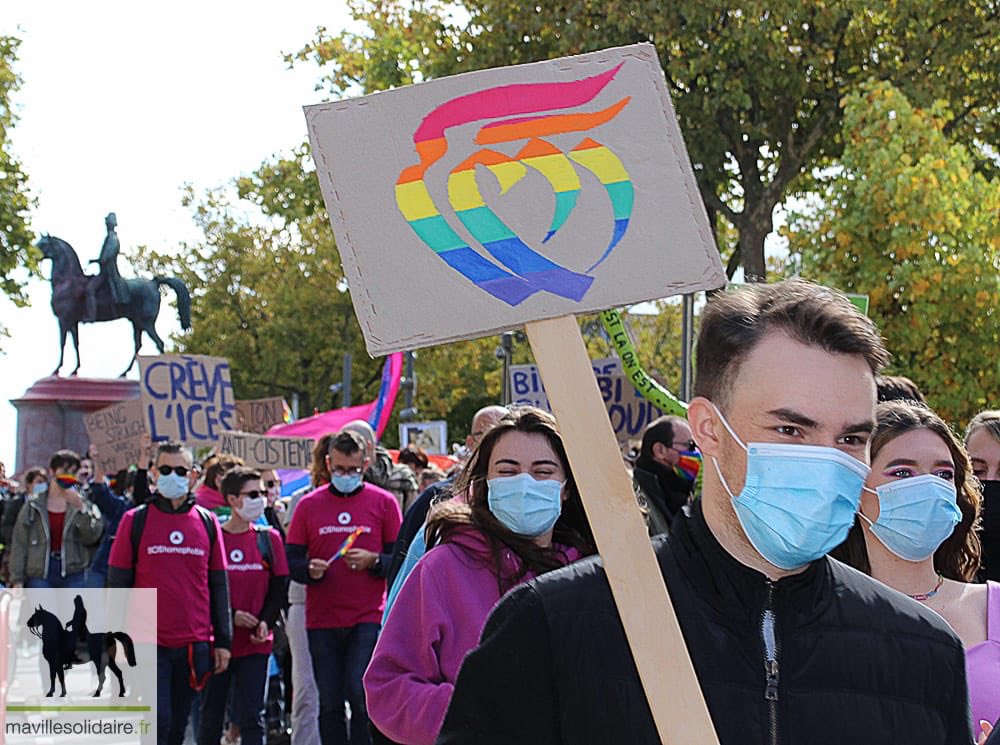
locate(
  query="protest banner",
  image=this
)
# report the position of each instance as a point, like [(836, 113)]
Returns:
[(628, 410), (187, 398), (588, 202), (117, 432), (258, 415), (267, 452)]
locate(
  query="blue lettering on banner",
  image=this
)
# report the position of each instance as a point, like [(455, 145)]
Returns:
[(190, 398)]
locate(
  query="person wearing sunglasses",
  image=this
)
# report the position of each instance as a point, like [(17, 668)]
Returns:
[(258, 588), (275, 509), (176, 547), (666, 470)]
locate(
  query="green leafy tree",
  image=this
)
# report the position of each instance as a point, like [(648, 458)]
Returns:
[(16, 238), (907, 220), (757, 87)]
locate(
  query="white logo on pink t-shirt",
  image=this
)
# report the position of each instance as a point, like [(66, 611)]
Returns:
[(176, 537), (344, 517), (236, 556)]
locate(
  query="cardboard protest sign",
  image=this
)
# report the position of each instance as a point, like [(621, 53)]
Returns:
[(117, 432), (431, 437), (629, 412), (263, 452), (525, 192), (527, 195), (187, 398), (258, 415)]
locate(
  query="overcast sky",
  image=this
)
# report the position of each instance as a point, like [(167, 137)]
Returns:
[(123, 103)]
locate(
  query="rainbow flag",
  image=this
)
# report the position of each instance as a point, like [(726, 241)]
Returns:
[(346, 545)]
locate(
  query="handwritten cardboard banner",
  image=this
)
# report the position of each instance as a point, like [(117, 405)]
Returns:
[(258, 415), (187, 398), (525, 193), (117, 432), (630, 413), (259, 451)]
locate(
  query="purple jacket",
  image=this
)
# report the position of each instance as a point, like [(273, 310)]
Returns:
[(437, 618)]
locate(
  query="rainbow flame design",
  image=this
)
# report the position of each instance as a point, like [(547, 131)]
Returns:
[(518, 271)]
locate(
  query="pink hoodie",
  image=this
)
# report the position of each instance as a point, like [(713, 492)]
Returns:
[(437, 618)]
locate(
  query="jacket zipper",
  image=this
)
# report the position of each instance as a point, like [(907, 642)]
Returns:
[(770, 662)]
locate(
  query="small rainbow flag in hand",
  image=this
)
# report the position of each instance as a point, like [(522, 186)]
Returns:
[(346, 545)]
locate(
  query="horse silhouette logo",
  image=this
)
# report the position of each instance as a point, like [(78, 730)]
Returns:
[(75, 644)]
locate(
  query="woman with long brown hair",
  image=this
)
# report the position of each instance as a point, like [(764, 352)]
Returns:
[(522, 516), (917, 532)]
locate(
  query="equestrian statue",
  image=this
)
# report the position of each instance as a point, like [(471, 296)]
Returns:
[(84, 298)]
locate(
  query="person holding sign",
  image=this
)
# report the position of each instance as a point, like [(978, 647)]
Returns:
[(345, 591), (258, 585), (788, 645), (174, 546), (523, 517)]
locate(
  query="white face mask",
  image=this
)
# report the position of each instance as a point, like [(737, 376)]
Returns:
[(251, 509), (172, 486)]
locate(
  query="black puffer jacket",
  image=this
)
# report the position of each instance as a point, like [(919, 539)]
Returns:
[(856, 662)]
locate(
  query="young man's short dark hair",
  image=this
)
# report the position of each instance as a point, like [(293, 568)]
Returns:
[(232, 483), (64, 460), (347, 442), (734, 323)]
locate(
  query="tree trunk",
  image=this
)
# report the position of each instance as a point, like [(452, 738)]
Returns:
[(753, 230)]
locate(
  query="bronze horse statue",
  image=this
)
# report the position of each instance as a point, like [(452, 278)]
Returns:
[(69, 300)]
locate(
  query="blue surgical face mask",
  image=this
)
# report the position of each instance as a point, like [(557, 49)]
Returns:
[(39, 487), (916, 515), (171, 485), (798, 501), (346, 483), (527, 506)]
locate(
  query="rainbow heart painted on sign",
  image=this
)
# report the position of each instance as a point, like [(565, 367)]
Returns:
[(517, 271)]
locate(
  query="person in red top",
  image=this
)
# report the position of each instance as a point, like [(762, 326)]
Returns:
[(176, 547), (258, 589), (345, 581)]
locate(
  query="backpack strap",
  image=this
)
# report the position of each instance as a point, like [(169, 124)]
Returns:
[(208, 520), (264, 544), (138, 525)]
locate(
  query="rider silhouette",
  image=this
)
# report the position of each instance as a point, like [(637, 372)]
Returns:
[(109, 279)]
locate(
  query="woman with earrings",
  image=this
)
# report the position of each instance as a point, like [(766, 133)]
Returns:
[(523, 517), (915, 532)]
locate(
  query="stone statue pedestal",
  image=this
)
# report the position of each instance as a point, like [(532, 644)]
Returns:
[(50, 414)]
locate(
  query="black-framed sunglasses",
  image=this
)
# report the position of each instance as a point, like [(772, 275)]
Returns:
[(688, 446), (252, 494), (167, 470), (272, 484)]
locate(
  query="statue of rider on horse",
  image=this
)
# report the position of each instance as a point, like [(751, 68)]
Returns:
[(83, 298)]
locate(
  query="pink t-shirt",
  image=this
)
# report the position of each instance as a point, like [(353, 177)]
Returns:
[(982, 665), (321, 522), (248, 581), (174, 557)]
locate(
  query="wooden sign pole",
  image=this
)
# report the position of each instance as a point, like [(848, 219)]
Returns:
[(651, 626)]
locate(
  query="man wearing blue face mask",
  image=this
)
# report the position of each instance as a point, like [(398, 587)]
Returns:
[(788, 645), (339, 542)]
